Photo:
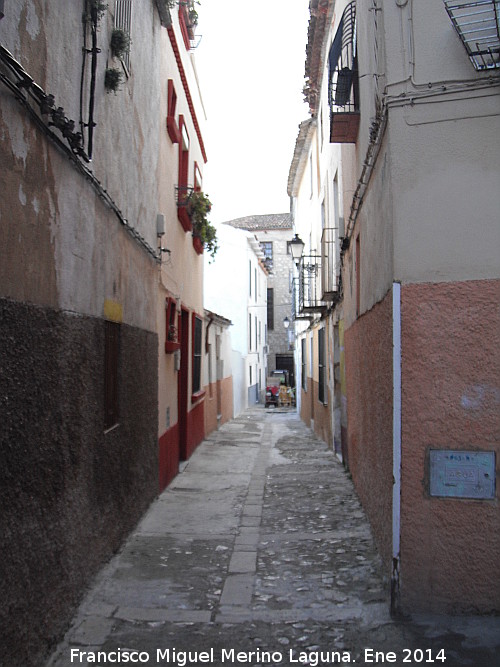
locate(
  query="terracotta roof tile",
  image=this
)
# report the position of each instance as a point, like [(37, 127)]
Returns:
[(253, 223)]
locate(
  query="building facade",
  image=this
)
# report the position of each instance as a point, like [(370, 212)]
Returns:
[(180, 311), (419, 283), (274, 232), (98, 122), (217, 373), (236, 285)]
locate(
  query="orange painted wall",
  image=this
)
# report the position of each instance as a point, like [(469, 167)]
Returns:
[(226, 387), (368, 359), (450, 400)]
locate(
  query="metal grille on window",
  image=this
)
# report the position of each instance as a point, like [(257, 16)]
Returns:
[(123, 21), (321, 367), (197, 355), (478, 26)]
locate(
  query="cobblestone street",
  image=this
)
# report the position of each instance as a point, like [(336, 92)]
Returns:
[(259, 553)]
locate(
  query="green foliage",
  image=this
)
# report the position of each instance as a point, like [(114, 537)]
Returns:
[(96, 8), (112, 79), (199, 207), (120, 42)]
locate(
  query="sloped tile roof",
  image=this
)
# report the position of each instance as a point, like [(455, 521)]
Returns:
[(253, 223)]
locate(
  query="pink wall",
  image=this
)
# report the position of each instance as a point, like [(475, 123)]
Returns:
[(226, 392), (368, 358), (450, 400)]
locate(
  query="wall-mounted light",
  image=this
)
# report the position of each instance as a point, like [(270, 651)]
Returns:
[(297, 248), (160, 231), (160, 225)]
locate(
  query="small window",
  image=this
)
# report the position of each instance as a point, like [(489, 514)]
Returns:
[(303, 363), (249, 332), (270, 308), (111, 360), (198, 180), (123, 20), (321, 367), (197, 335), (267, 249)]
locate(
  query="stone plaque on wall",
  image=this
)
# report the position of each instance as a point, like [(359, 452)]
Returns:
[(462, 474)]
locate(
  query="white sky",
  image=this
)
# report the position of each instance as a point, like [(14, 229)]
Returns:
[(250, 63)]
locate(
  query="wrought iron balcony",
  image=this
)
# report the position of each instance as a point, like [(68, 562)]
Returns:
[(478, 26), (343, 80), (329, 263), (306, 289)]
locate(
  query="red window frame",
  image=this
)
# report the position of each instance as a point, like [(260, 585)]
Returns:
[(172, 341), (172, 127)]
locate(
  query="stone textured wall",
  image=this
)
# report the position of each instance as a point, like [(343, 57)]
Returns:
[(450, 400), (69, 492), (368, 356)]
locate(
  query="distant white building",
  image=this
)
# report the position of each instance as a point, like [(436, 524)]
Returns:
[(274, 233), (236, 286)]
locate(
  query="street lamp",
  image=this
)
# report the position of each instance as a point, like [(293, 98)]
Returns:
[(297, 248), (286, 322)]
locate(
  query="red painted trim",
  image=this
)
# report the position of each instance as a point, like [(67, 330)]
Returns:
[(198, 396), (196, 427), (168, 456), (184, 219), (185, 85), (171, 320), (184, 28), (173, 130), (197, 245)]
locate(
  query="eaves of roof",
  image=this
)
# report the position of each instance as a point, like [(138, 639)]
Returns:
[(254, 223), (321, 15), (300, 154)]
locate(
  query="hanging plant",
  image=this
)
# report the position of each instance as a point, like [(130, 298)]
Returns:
[(199, 207), (112, 79), (120, 42), (94, 8)]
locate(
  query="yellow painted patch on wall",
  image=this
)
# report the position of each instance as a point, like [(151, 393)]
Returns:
[(113, 310)]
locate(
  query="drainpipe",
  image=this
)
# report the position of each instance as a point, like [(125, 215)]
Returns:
[(396, 447)]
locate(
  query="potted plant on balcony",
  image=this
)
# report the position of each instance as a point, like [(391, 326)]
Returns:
[(204, 233), (120, 42)]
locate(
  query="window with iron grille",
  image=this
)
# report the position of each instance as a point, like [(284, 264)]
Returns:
[(123, 21), (321, 367), (267, 249), (111, 359), (303, 364), (270, 308), (197, 330)]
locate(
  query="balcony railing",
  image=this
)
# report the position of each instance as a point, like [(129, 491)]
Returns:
[(307, 299), (329, 264), (478, 26), (343, 80)]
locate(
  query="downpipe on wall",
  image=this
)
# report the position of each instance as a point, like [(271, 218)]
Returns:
[(396, 448)]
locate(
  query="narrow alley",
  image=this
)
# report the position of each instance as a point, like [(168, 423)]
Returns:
[(259, 553)]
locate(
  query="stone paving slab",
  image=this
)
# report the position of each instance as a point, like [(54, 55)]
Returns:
[(259, 545)]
